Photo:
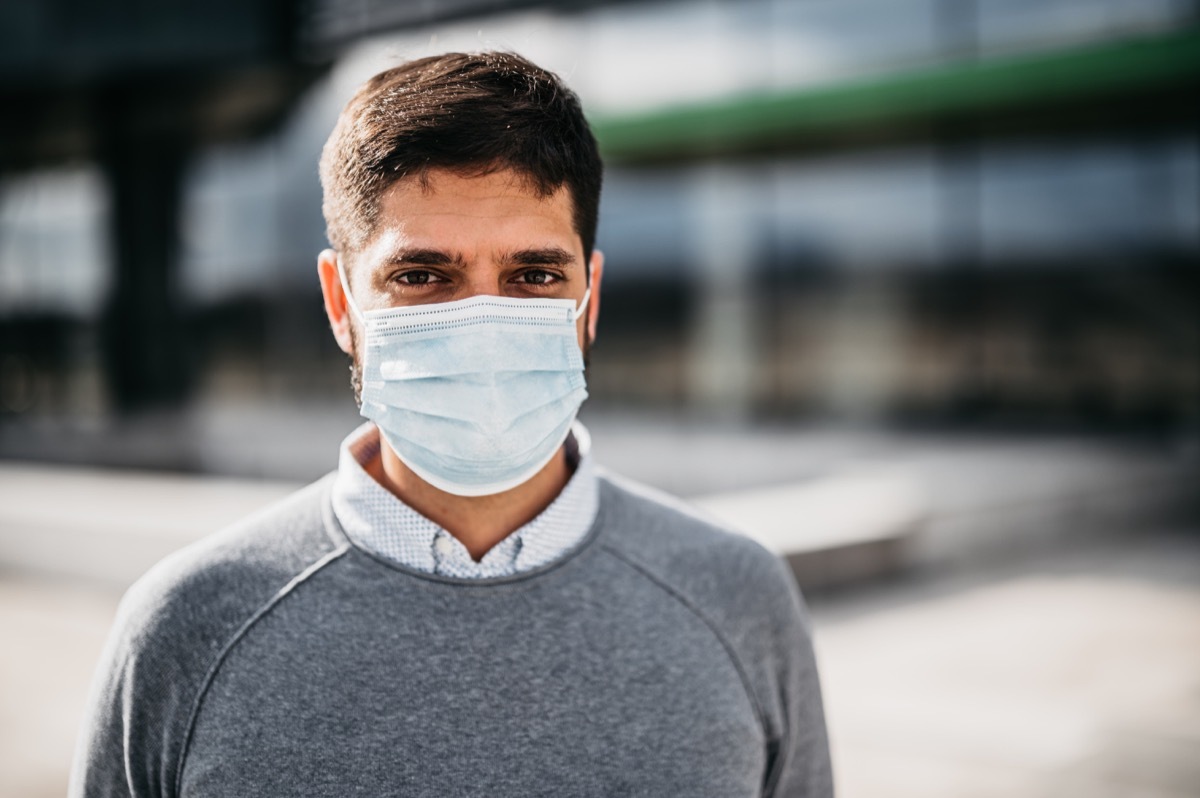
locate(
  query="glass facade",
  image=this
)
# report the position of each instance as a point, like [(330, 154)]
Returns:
[(802, 273)]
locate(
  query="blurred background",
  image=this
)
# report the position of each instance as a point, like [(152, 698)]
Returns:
[(906, 289)]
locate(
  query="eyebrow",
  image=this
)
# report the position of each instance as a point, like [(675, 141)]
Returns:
[(425, 257), (536, 256), (541, 256)]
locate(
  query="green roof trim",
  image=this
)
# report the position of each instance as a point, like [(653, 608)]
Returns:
[(733, 123)]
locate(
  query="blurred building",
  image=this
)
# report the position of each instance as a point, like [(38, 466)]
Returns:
[(933, 211)]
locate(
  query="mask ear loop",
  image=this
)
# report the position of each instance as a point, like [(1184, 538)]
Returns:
[(358, 314), (583, 303)]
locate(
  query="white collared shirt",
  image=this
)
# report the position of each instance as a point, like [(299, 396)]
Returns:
[(377, 520)]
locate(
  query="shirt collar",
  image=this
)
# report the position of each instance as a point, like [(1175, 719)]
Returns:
[(377, 520)]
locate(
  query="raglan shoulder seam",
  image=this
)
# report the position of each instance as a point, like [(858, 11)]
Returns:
[(714, 629), (264, 610)]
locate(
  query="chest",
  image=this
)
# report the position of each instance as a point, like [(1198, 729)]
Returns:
[(599, 697)]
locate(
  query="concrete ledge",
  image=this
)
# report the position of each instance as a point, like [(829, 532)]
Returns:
[(832, 531), (939, 503), (111, 526)]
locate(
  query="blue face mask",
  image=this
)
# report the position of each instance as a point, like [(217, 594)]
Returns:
[(477, 395)]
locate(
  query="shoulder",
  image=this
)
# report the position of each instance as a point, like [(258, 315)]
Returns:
[(213, 585), (749, 599), (729, 577), (171, 631), (188, 606)]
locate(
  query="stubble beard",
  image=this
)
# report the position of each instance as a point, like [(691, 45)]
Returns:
[(355, 369)]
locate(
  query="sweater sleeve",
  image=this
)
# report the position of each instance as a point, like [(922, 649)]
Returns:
[(801, 763), (140, 698), (170, 631), (749, 598)]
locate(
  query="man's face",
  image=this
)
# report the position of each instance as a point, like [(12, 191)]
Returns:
[(450, 237)]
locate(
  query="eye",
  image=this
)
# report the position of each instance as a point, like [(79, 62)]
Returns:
[(538, 277), (416, 277)]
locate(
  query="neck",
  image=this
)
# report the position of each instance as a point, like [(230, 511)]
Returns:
[(478, 522)]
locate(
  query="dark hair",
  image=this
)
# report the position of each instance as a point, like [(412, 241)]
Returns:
[(473, 113)]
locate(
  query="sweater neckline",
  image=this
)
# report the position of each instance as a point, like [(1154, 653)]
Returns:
[(585, 544)]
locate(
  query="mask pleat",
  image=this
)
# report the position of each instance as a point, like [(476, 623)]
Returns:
[(481, 401)]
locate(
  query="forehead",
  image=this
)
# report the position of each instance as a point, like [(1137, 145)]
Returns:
[(442, 208)]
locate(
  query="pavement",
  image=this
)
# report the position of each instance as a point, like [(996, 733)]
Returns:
[(1074, 676)]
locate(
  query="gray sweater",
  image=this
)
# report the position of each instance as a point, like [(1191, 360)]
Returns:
[(661, 657)]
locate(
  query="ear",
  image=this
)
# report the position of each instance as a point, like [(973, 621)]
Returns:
[(335, 299), (593, 311)]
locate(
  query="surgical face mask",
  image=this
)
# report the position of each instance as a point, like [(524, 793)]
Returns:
[(477, 395)]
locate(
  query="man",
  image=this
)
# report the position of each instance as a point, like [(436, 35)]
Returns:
[(466, 607)]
